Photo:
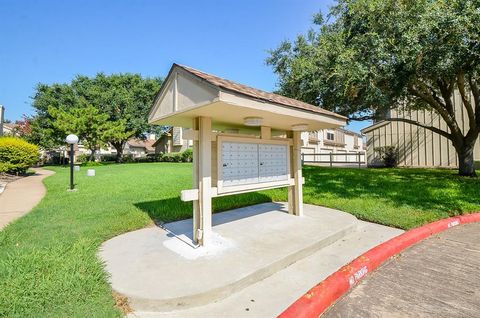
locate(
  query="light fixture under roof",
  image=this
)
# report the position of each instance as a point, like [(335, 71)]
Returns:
[(253, 121), (300, 127)]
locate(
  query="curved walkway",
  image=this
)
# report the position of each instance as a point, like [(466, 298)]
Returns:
[(438, 277), (21, 196)]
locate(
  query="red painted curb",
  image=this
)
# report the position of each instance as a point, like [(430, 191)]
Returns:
[(322, 296)]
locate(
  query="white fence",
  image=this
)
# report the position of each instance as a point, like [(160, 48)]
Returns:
[(343, 158)]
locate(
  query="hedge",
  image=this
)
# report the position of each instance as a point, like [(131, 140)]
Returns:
[(17, 155)]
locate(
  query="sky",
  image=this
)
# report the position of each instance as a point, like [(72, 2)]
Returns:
[(53, 41)]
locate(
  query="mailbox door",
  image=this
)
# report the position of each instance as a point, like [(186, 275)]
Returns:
[(239, 163), (273, 162)]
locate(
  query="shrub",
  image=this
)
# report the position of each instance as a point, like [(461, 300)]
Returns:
[(108, 158), (389, 155), (127, 158), (17, 155), (172, 157), (152, 157), (91, 164), (83, 157), (187, 155)]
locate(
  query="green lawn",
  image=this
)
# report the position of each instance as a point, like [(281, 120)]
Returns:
[(48, 263)]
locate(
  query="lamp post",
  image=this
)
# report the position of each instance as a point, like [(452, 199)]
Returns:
[(71, 139)]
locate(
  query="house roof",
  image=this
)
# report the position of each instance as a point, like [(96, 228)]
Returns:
[(256, 93), (138, 143), (374, 126), (9, 126), (349, 132)]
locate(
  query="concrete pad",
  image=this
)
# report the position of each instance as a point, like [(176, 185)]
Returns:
[(271, 296), (159, 270)]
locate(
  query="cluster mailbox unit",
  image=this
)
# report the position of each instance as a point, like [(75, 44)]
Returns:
[(244, 139)]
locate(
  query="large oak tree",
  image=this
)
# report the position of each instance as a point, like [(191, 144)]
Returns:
[(370, 56)]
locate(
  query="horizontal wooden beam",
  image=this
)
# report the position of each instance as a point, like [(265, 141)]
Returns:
[(190, 134), (192, 194)]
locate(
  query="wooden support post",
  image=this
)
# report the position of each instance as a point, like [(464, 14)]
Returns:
[(196, 205), (291, 189), (202, 156), (265, 132), (297, 174), (295, 192)]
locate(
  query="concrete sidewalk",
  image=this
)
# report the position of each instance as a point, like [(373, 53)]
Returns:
[(438, 277), (21, 196)]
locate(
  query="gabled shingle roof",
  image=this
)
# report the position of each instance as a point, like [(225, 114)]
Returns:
[(256, 93), (138, 143)]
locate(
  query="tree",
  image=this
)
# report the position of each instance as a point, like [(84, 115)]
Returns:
[(122, 97), (59, 96), (23, 127), (127, 97), (90, 125), (371, 56)]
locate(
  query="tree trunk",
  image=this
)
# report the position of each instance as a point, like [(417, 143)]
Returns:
[(466, 163), (119, 147), (92, 155)]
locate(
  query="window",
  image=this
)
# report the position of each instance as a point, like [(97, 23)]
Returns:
[(330, 136)]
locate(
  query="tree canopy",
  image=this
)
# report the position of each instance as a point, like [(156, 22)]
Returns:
[(123, 99), (90, 125), (370, 56)]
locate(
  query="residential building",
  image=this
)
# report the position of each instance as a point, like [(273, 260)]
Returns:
[(172, 141), (343, 145), (2, 119), (139, 148), (416, 146), (5, 128), (8, 129)]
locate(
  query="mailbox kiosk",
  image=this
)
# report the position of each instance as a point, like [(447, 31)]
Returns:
[(244, 139)]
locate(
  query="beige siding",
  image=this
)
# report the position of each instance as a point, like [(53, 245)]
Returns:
[(418, 147), (190, 93), (166, 106)]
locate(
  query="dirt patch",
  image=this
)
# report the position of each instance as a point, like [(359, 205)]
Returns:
[(122, 303)]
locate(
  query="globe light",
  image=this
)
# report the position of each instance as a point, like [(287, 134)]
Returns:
[(71, 139)]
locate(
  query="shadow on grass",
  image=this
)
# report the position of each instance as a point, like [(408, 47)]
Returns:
[(424, 189), (173, 209)]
